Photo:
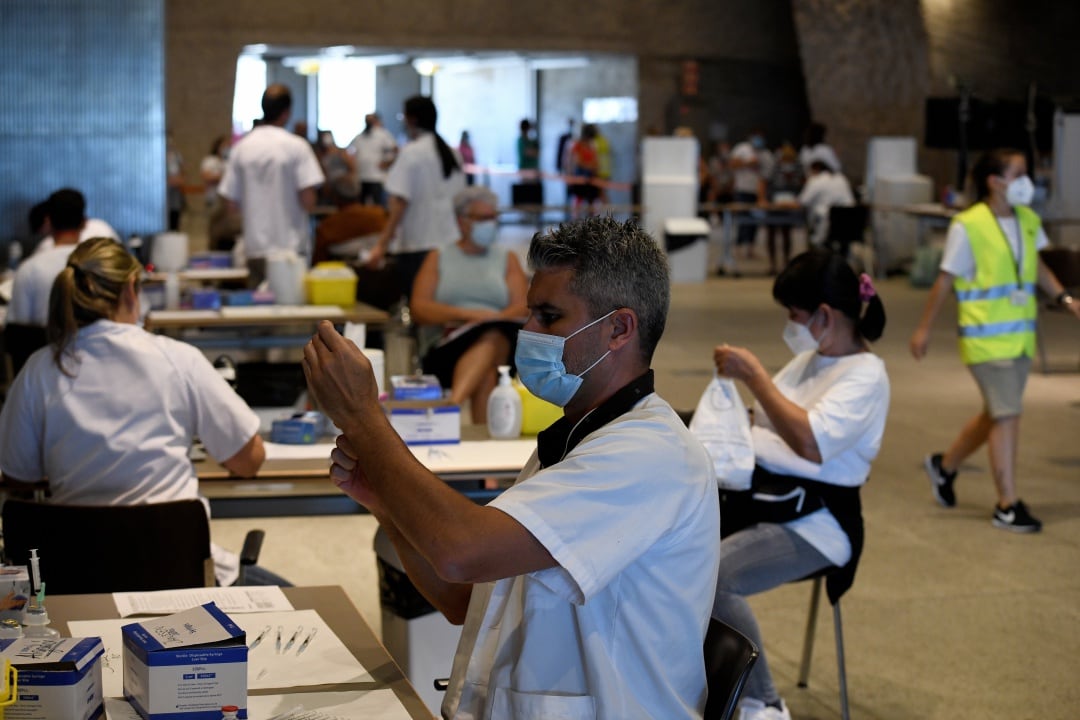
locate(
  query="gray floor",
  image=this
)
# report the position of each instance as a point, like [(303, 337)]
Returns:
[(949, 617)]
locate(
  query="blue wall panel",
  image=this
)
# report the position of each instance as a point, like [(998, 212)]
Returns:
[(83, 106)]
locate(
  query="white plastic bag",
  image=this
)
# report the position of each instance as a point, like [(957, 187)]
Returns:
[(722, 425)]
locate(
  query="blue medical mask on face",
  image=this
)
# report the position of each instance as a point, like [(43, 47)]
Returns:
[(484, 232), (539, 361)]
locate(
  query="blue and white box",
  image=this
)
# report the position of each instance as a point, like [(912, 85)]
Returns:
[(425, 422), (58, 677), (186, 666), (415, 387)]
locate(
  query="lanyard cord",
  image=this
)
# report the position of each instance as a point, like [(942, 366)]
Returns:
[(1018, 257)]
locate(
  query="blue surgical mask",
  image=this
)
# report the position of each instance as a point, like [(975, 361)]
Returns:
[(484, 232), (539, 361)]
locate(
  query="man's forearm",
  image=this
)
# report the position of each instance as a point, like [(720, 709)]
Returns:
[(451, 599)]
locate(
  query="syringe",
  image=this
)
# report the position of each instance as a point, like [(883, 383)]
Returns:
[(35, 574)]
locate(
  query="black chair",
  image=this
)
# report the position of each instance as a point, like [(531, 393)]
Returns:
[(847, 225), (808, 641), (729, 658), (22, 341), (116, 548)]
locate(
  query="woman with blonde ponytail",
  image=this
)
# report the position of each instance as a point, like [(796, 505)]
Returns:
[(107, 412)]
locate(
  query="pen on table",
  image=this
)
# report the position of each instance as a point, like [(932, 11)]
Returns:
[(259, 638), (307, 640), (299, 629), (277, 645)]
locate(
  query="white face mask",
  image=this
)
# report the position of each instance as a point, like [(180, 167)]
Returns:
[(799, 339), (484, 232), (1020, 191)]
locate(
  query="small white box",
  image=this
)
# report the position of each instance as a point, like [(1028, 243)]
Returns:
[(425, 422), (14, 591), (58, 677), (186, 665)]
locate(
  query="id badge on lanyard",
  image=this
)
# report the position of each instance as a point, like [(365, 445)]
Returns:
[(1019, 297)]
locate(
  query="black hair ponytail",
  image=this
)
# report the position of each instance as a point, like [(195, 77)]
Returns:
[(422, 110), (820, 276)]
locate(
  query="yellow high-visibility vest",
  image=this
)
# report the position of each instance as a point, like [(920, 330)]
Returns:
[(992, 325)]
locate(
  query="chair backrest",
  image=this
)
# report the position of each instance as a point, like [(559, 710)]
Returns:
[(729, 657), (846, 226), (93, 549), (22, 341)]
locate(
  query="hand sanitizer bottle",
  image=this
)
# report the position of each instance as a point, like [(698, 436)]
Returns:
[(504, 408)]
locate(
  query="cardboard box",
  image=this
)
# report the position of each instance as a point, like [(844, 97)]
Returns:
[(415, 387), (14, 591), (58, 678), (185, 666), (425, 422)]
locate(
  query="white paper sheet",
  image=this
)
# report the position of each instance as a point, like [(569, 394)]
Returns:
[(120, 709), (283, 451), (379, 704), (325, 659), (258, 312), (247, 598)]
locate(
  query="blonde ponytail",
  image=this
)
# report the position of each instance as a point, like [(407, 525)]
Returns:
[(88, 289)]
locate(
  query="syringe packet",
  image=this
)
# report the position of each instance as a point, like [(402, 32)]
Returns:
[(58, 677), (185, 666)]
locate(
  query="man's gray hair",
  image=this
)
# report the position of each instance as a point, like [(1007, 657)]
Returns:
[(472, 194), (615, 264)]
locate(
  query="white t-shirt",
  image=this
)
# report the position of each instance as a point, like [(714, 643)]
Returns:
[(32, 286), (959, 261), (746, 179), (118, 433), (371, 149), (93, 228), (615, 630), (212, 165), (265, 174), (847, 399), (821, 192), (417, 176), (822, 152)]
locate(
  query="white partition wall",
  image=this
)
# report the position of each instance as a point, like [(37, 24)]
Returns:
[(669, 190)]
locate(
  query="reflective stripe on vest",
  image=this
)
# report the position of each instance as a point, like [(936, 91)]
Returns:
[(991, 326)]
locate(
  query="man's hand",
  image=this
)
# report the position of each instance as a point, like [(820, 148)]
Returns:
[(339, 376), (919, 343), (738, 363), (346, 473)]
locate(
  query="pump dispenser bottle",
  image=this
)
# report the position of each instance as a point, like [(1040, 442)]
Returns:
[(504, 408)]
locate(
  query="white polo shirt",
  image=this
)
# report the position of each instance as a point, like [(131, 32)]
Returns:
[(615, 630), (265, 174), (33, 283), (417, 176), (94, 227), (371, 150), (119, 431), (821, 192)]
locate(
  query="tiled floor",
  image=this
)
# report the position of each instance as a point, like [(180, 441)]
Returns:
[(949, 617)]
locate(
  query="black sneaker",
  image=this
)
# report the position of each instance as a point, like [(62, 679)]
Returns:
[(1016, 518), (941, 482)]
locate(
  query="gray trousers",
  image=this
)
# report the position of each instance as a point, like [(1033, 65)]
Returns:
[(754, 560)]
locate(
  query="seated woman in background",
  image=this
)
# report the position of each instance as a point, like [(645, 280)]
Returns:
[(107, 412), (474, 292), (817, 426)]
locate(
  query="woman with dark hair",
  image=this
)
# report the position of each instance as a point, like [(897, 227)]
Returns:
[(817, 426), (421, 186), (992, 262), (107, 412)]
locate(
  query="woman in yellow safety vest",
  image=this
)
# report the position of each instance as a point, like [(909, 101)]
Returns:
[(991, 261)]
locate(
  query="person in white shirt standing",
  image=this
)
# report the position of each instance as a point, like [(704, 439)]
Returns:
[(273, 176), (422, 184), (585, 588), (751, 163), (824, 189), (375, 150)]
